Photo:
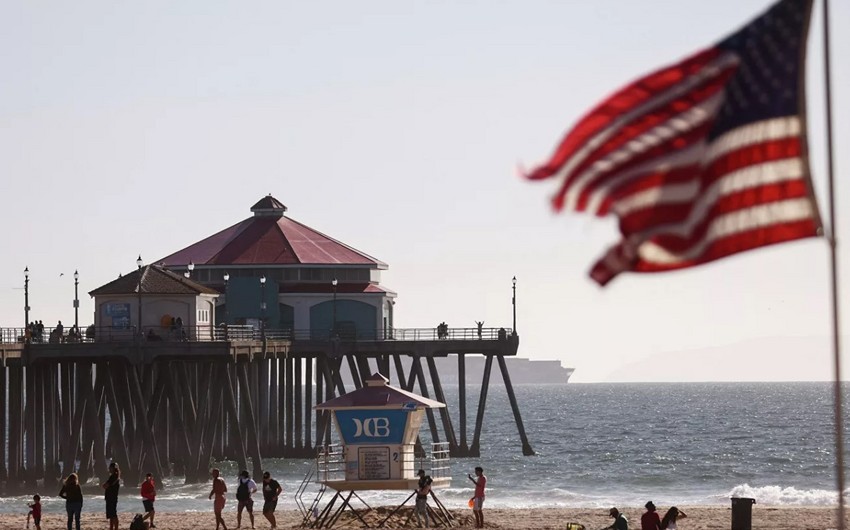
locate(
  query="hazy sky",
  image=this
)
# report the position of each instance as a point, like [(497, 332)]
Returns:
[(133, 128)]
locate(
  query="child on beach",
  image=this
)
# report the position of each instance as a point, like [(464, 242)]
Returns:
[(35, 512), (478, 499)]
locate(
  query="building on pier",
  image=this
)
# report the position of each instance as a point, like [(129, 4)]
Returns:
[(153, 299), (310, 281)]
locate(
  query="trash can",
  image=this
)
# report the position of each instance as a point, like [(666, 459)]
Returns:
[(742, 513)]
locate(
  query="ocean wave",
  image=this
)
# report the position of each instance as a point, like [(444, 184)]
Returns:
[(785, 496)]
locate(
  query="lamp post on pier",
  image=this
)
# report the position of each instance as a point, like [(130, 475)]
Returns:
[(226, 279), (139, 292), (513, 301), (263, 307), (76, 302), (26, 299), (334, 282)]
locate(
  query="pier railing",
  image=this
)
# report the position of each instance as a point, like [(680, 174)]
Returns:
[(205, 333)]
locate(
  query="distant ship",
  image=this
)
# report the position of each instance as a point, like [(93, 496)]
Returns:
[(522, 371)]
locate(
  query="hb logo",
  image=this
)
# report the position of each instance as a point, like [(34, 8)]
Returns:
[(372, 427)]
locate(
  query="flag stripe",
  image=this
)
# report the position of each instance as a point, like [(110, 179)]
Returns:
[(648, 130), (734, 223), (679, 165), (634, 101), (737, 169)]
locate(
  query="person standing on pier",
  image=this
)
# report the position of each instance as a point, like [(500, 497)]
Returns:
[(110, 495), (271, 491), (148, 493), (73, 496), (219, 488)]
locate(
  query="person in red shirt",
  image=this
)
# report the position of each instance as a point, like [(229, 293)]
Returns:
[(219, 488), (35, 512), (478, 499), (650, 519), (148, 493)]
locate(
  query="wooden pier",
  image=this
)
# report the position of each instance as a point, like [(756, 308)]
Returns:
[(172, 407)]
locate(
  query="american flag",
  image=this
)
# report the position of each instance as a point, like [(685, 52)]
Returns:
[(701, 159)]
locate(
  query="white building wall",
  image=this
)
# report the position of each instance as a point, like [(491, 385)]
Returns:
[(154, 307)]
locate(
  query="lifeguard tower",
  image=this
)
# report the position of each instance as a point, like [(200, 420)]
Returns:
[(378, 426)]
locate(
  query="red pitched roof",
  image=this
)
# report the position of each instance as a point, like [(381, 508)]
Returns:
[(378, 393), (270, 238)]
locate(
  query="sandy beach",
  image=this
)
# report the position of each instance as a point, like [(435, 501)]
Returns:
[(699, 518)]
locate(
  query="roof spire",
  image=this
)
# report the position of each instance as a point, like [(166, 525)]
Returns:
[(268, 206)]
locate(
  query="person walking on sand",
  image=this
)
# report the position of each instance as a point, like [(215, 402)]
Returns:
[(271, 491), (422, 491), (35, 512), (620, 522), (478, 499), (650, 519), (148, 493), (668, 522), (73, 496), (219, 488), (110, 495), (244, 490)]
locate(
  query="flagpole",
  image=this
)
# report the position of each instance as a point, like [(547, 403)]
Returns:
[(833, 247)]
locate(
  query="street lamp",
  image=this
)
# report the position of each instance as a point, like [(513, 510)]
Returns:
[(514, 303), (76, 302), (26, 299), (189, 269), (263, 307), (226, 279), (334, 282), (139, 292)]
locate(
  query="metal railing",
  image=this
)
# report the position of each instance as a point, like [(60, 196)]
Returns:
[(411, 334), (330, 462), (207, 333), (439, 460)]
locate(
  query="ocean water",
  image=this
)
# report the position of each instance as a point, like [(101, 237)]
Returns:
[(601, 445)]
